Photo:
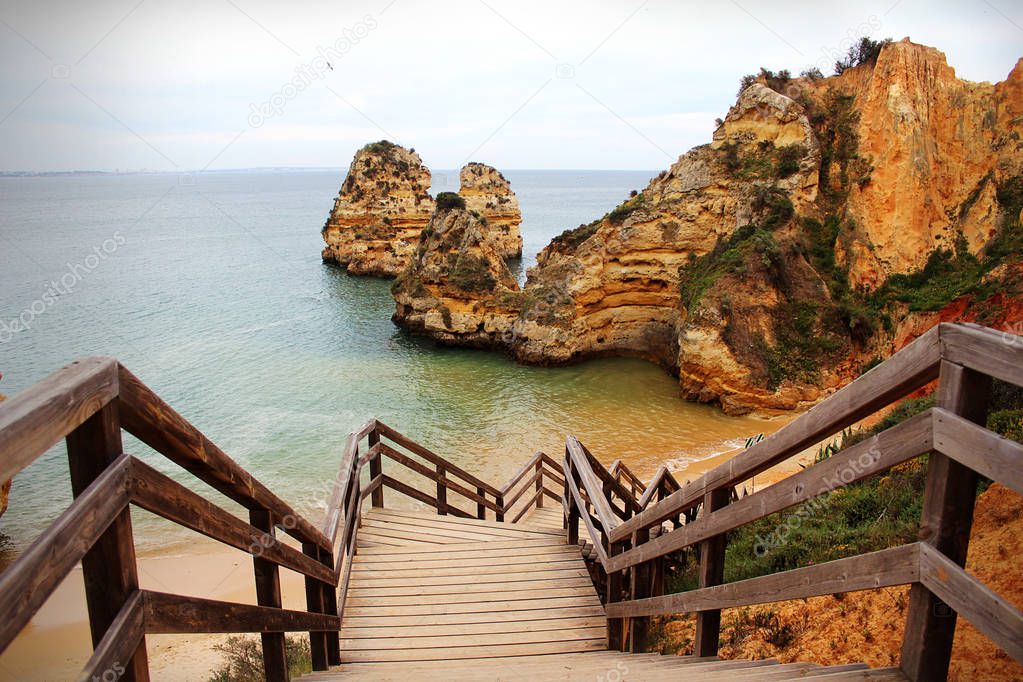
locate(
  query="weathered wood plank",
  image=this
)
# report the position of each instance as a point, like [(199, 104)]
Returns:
[(119, 644), (949, 493), (911, 368), (146, 416), (383, 631), (426, 454), (38, 417), (973, 446), (989, 613), (475, 618), (589, 481), (536, 584), (109, 571), (268, 593), (32, 578), (455, 653), (166, 497), (888, 567), (583, 590), (984, 350), (173, 614), (405, 489), (472, 607), (898, 444), (472, 640), (495, 527)]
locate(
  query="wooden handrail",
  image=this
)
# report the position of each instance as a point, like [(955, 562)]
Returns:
[(911, 368), (966, 358), (581, 465), (88, 403), (886, 568), (147, 417)]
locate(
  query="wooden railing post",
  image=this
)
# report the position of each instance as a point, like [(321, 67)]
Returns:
[(615, 585), (314, 604), (108, 569), (539, 483), (500, 504), (442, 491), (481, 509), (268, 593), (330, 608), (712, 572), (949, 495), (375, 469), (639, 588)]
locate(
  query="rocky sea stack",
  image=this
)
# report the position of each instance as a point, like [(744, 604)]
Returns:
[(457, 285), (489, 194), (385, 203), (829, 221)]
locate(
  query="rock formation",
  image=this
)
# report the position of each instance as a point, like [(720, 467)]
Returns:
[(488, 193), (458, 287), (383, 205), (826, 217)]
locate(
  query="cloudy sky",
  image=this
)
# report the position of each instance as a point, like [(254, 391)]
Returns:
[(191, 84)]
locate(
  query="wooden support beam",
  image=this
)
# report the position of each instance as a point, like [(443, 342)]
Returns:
[(639, 577), (315, 605), (949, 495), (268, 593), (712, 572), (108, 569), (376, 469)]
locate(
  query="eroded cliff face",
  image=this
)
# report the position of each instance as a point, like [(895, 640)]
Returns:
[(825, 217), (940, 147), (383, 205), (455, 287), (487, 192)]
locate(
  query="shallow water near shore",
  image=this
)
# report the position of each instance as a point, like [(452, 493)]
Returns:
[(211, 290)]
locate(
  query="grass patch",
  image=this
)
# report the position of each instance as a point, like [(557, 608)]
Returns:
[(569, 240)]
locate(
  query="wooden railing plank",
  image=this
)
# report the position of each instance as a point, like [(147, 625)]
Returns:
[(984, 350), (343, 481), (973, 446), (122, 640), (426, 454), (31, 579), (175, 614), (146, 416), (898, 444), (999, 620), (435, 475), (588, 479), (911, 368), (885, 568), (520, 474), (38, 417), (405, 489), (165, 497)]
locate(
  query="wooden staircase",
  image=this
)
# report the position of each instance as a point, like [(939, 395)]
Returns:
[(444, 598), (558, 592)]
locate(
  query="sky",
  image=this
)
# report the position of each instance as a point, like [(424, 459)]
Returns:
[(185, 85)]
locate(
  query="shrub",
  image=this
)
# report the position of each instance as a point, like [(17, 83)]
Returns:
[(472, 273), (381, 147), (449, 200), (865, 51), (788, 158), (245, 659), (813, 73), (570, 239)]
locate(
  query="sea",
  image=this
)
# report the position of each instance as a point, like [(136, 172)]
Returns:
[(210, 288)]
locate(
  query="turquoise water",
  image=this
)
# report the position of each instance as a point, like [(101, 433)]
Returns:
[(210, 288)]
